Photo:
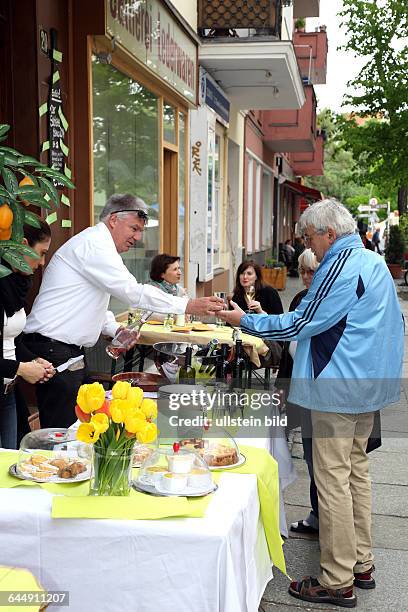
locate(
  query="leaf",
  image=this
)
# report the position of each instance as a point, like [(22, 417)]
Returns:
[(50, 189), (24, 249), (50, 173), (9, 150), (4, 271), (1, 161), (31, 219), (17, 261), (27, 160), (10, 180), (41, 202), (29, 190), (18, 222), (4, 128), (4, 193)]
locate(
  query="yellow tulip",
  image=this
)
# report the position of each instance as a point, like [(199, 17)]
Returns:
[(134, 424), (149, 408), (148, 433), (91, 397), (100, 421), (87, 433), (135, 395), (120, 389), (116, 411)]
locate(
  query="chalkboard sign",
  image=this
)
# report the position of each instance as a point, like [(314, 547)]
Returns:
[(55, 128)]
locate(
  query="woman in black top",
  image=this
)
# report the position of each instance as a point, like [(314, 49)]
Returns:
[(15, 359), (265, 300)]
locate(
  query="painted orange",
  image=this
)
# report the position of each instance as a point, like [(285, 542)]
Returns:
[(26, 181), (6, 217), (5, 234)]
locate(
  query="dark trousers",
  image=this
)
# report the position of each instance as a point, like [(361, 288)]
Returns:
[(56, 398), (306, 426)]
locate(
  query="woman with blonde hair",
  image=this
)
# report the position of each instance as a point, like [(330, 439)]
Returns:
[(307, 265)]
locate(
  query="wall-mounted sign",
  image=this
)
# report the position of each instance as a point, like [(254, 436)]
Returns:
[(213, 96), (148, 31)]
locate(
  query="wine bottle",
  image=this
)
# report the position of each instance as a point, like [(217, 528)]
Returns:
[(187, 373), (238, 365), (210, 349)]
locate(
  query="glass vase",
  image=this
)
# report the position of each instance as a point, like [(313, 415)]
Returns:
[(111, 471)]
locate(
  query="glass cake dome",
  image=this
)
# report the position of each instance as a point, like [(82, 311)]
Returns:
[(217, 447), (175, 471), (52, 455)]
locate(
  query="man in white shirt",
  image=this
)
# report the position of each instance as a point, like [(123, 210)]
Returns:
[(70, 311)]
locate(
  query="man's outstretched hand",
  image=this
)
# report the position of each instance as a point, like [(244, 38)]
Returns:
[(205, 305), (233, 317)]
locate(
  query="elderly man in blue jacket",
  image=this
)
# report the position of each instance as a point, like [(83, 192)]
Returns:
[(348, 364)]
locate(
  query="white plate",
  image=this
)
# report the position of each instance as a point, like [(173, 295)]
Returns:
[(157, 490), (240, 461), (54, 479)]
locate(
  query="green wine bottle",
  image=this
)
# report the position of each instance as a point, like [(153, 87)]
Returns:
[(187, 373)]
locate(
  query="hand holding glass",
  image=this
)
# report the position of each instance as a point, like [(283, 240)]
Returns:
[(223, 296), (126, 337)]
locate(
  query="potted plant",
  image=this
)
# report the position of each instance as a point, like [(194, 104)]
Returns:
[(394, 251), (300, 24), (274, 273)]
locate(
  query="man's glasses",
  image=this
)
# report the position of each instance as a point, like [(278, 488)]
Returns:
[(136, 211)]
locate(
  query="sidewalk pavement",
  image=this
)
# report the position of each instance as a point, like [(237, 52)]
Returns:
[(389, 475)]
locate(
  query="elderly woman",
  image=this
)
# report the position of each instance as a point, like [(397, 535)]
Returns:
[(165, 273), (307, 264)]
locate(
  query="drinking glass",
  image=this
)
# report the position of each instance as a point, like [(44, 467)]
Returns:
[(223, 296), (249, 295), (125, 337)]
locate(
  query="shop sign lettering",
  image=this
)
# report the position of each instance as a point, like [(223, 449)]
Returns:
[(149, 31), (196, 158)]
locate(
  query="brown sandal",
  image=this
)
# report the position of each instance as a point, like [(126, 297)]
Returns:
[(309, 589)]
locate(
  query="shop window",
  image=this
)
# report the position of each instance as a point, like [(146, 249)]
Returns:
[(126, 155), (169, 123), (181, 192)]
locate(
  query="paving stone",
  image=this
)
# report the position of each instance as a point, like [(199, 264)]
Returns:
[(389, 468)]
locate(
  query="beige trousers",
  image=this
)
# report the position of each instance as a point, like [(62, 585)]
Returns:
[(340, 466)]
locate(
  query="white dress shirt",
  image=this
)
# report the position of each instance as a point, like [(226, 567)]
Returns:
[(13, 326), (74, 295)]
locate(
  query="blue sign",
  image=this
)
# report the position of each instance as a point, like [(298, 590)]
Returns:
[(216, 100)]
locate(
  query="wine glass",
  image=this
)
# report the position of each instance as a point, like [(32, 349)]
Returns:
[(249, 295), (223, 296)]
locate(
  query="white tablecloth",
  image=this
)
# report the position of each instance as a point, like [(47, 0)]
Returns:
[(219, 563)]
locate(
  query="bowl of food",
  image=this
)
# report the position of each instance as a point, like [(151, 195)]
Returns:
[(146, 381)]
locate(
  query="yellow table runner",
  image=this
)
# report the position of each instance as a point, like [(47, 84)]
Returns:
[(150, 334), (15, 580), (72, 500)]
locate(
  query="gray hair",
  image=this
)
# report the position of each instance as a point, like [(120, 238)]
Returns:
[(307, 260), (327, 213), (123, 204)]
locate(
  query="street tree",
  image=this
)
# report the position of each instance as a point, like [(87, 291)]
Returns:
[(377, 31)]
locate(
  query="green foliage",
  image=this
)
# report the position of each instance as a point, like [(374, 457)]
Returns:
[(13, 167), (395, 249), (126, 137), (377, 32), (300, 23)]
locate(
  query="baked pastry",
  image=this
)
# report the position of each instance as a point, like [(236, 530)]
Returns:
[(220, 455), (193, 443)]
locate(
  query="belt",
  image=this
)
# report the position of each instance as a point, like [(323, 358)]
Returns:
[(36, 337), (9, 386)]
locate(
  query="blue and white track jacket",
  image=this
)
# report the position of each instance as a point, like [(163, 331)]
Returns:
[(350, 333)]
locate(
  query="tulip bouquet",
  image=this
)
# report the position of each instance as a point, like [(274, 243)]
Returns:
[(113, 427)]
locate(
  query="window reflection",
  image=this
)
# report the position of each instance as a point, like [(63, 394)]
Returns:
[(126, 145)]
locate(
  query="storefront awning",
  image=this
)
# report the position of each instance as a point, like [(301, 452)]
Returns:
[(310, 194)]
